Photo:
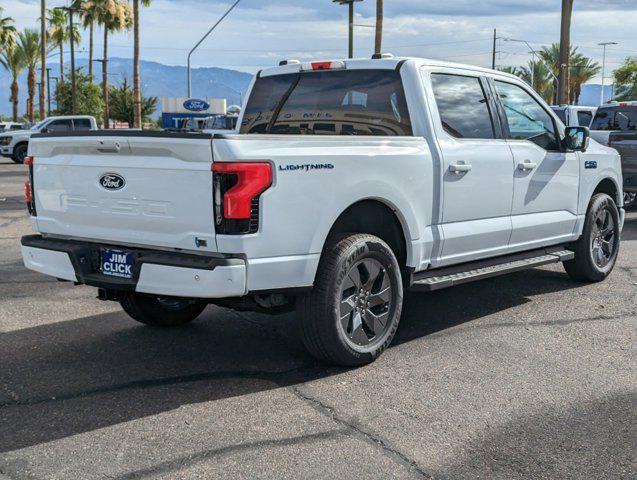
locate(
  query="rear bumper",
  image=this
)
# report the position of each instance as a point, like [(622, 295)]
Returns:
[(155, 272)]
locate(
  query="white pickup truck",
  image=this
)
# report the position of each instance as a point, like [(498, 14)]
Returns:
[(348, 183), (15, 143)]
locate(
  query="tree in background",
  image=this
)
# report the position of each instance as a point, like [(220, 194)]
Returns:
[(114, 16), (137, 91), (89, 14), (29, 48), (582, 70), (626, 80), (534, 72), (7, 32), (122, 104), (59, 33), (88, 96), (12, 60)]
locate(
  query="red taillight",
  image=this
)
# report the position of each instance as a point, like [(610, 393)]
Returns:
[(252, 179), (27, 192), (321, 65), (28, 161)]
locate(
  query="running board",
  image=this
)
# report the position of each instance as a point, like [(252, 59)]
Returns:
[(469, 272)]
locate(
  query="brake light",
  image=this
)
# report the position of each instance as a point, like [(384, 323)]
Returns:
[(29, 193), (336, 65), (238, 187)]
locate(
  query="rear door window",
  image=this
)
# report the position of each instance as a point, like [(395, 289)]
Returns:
[(82, 124), (463, 106), (336, 102)]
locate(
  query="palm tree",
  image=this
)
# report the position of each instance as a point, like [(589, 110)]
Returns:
[(113, 16), (42, 57), (29, 48), (88, 11), (7, 32), (582, 70), (137, 93), (12, 60), (59, 33)]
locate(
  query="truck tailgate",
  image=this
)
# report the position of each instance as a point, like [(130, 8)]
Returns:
[(127, 188)]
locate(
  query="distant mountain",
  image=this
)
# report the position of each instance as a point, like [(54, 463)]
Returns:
[(158, 80)]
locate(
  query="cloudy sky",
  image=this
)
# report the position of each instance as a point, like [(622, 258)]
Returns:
[(259, 33)]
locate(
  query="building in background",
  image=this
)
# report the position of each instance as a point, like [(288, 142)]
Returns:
[(175, 109)]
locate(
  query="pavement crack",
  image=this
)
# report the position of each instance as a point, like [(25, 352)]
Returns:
[(366, 435)]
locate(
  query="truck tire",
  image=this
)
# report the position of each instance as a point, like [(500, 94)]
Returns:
[(161, 311), (19, 152), (351, 315), (596, 250)]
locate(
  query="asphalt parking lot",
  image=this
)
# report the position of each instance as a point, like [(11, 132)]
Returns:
[(524, 376)]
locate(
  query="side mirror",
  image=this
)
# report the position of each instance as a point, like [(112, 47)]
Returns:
[(576, 138)]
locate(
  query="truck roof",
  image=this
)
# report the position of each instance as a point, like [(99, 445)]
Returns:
[(385, 63)]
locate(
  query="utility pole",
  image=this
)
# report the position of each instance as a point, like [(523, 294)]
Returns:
[(43, 80), (565, 48), (495, 38), (203, 38), (378, 44), (350, 5), (604, 44)]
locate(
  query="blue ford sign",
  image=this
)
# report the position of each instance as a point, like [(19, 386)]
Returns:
[(196, 105)]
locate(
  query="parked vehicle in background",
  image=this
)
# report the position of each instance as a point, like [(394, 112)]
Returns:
[(16, 143), (348, 182), (615, 125), (574, 115), (613, 117), (10, 126)]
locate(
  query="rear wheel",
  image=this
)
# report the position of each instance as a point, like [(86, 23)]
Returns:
[(19, 153), (352, 313), (596, 250), (161, 311)]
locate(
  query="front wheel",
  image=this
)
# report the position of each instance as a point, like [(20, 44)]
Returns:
[(161, 311), (596, 250), (352, 313)]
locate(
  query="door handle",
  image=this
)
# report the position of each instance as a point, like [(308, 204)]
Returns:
[(527, 165), (459, 167)]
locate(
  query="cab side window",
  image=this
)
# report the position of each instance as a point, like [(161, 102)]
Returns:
[(584, 118), (463, 106), (59, 126), (81, 124), (527, 119)]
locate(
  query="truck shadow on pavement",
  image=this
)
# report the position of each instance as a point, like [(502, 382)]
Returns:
[(65, 378)]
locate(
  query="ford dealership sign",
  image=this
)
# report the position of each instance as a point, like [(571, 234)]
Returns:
[(196, 105)]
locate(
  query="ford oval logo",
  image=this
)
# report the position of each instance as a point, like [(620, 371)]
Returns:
[(112, 181), (196, 105)]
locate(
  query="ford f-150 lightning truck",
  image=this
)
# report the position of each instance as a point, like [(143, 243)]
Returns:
[(348, 183)]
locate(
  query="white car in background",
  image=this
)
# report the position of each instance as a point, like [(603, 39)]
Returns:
[(15, 144), (575, 115)]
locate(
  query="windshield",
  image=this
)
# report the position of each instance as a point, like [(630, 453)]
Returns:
[(334, 102), (39, 125), (615, 118)]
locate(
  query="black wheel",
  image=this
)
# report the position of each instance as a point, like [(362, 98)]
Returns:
[(352, 313), (19, 152), (161, 311), (596, 250)]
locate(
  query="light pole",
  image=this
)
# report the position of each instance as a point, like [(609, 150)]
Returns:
[(603, 45), (534, 53), (350, 5), (203, 38)]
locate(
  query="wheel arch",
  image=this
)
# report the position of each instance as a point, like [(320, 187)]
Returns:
[(610, 187), (377, 217)]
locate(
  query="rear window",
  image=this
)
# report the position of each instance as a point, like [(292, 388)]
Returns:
[(343, 102), (615, 118)]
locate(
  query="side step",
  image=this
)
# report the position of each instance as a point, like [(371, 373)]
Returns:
[(436, 279)]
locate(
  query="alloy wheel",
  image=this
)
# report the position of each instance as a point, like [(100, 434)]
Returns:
[(604, 238)]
